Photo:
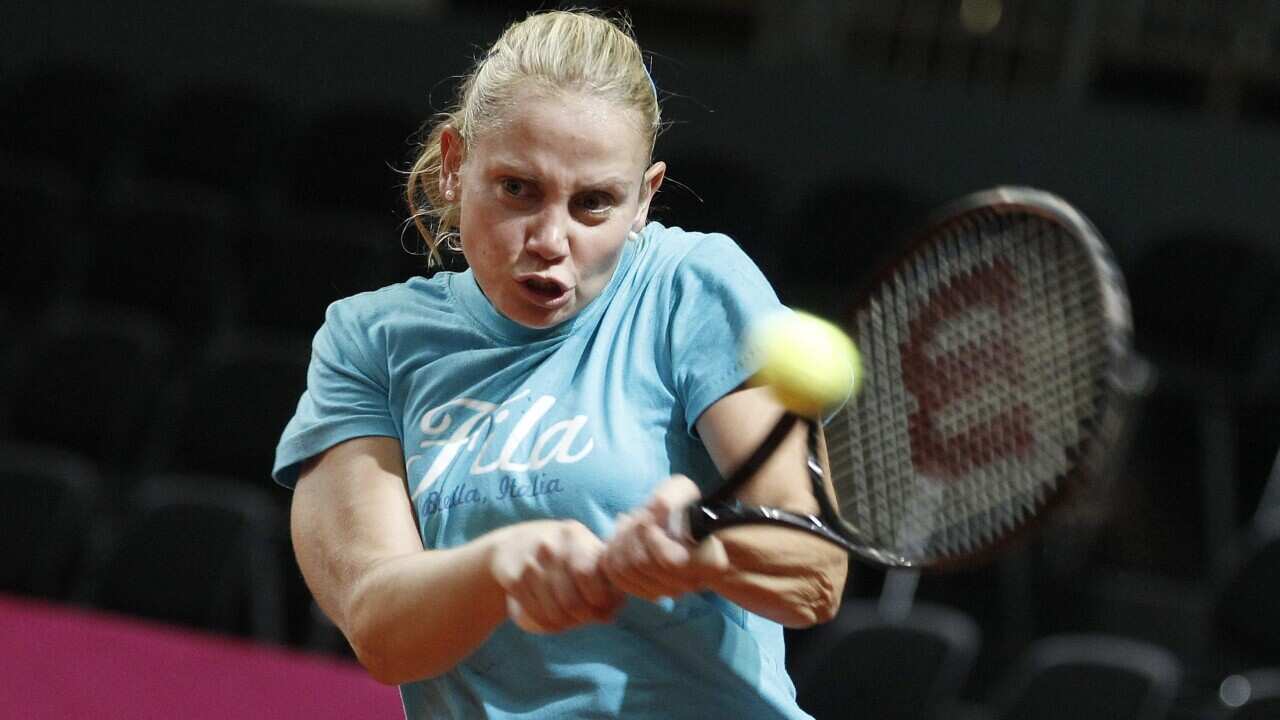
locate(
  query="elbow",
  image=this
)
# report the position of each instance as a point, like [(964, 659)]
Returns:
[(377, 668), (820, 600), (385, 673), (819, 604), (373, 651), (826, 611), (377, 663), (377, 645), (376, 650)]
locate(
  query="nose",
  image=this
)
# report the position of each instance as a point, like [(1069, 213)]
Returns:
[(548, 234)]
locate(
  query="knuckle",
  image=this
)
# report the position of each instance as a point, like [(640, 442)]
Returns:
[(544, 551)]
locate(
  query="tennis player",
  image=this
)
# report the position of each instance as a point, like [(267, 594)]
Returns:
[(483, 461)]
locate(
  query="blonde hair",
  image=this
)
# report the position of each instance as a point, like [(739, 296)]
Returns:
[(559, 50)]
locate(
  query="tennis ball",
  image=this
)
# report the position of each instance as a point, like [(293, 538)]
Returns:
[(809, 363)]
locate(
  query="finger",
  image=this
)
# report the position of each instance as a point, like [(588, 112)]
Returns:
[(535, 592), (672, 566), (616, 550), (568, 598), (621, 527), (540, 603), (677, 492), (576, 580), (669, 554), (639, 572), (522, 620), (634, 581), (587, 573)]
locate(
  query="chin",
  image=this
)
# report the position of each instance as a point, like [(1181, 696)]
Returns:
[(541, 320)]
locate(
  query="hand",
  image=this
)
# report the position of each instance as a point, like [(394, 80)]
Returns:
[(642, 559), (551, 574)]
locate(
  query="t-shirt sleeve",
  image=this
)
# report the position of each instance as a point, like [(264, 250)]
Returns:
[(718, 293), (347, 390)]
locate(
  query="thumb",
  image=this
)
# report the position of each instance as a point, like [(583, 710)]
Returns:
[(674, 493), (667, 505)]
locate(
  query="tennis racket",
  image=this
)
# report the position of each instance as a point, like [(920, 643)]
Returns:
[(997, 368)]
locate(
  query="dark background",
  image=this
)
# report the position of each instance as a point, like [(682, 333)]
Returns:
[(185, 186)]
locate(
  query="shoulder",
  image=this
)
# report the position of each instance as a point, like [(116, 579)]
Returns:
[(676, 243), (673, 253), (369, 319), (685, 260), (392, 303)]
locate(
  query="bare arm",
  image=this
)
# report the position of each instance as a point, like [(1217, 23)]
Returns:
[(785, 575), (411, 613), (788, 576)]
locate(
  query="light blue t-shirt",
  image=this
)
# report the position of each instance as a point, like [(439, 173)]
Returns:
[(501, 423)]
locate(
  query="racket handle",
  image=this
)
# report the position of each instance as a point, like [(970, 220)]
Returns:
[(693, 523), (700, 519), (706, 518)]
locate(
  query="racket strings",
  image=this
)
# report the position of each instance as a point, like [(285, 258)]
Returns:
[(982, 354)]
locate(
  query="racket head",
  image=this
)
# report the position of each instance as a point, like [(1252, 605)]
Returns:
[(997, 359)]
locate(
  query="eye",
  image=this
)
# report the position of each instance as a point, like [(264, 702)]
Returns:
[(596, 202), (513, 187)]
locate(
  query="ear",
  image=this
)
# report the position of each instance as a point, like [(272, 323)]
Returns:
[(451, 153), (648, 188)]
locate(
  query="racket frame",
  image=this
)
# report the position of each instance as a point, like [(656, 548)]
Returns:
[(1124, 378)]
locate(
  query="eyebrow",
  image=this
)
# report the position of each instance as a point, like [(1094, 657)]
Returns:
[(615, 183)]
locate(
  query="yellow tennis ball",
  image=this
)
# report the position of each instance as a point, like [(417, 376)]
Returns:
[(810, 364)]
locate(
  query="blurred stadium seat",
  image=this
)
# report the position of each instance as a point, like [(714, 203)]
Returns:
[(196, 550), (1204, 442), (85, 381), (171, 261), (43, 244), (224, 415), (1269, 501), (294, 269), (49, 498), (863, 665), (1248, 602), (1095, 676)]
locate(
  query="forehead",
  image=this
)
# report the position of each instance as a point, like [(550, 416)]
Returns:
[(539, 125)]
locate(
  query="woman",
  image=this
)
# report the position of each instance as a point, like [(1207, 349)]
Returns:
[(483, 462)]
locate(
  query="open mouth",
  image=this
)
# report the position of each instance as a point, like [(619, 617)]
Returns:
[(545, 288), (544, 291)]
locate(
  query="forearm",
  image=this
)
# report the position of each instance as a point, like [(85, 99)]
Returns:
[(418, 615), (787, 576)]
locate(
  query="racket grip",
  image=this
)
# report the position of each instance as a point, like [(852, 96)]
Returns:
[(700, 519)]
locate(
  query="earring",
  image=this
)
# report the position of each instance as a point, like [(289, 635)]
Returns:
[(448, 195), (633, 236)]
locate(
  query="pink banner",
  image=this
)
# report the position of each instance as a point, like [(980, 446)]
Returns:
[(60, 662)]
